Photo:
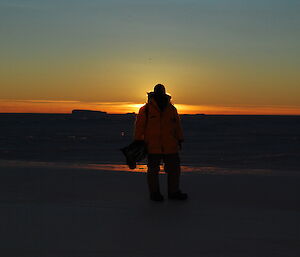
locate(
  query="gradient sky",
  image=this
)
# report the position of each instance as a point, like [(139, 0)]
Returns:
[(220, 54)]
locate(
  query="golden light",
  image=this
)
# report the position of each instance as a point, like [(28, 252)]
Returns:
[(134, 107), (49, 106)]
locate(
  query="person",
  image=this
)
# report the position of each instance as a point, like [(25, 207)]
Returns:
[(158, 125)]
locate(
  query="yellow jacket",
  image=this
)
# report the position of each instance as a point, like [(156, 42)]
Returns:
[(161, 130)]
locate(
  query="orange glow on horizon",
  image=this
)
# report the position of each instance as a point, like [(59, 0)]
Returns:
[(237, 110), (50, 106)]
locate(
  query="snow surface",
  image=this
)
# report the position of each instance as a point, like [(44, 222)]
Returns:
[(65, 212)]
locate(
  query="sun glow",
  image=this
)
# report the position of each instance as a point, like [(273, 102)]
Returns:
[(52, 106)]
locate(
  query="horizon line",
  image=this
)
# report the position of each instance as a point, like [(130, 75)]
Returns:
[(65, 107), (128, 113)]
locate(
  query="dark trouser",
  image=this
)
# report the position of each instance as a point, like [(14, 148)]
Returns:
[(171, 167)]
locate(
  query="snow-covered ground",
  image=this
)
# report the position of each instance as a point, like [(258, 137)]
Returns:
[(65, 192), (66, 212), (256, 142)]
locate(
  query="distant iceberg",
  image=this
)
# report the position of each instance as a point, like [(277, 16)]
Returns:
[(88, 114)]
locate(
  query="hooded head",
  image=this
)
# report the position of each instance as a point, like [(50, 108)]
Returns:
[(160, 96), (159, 89)]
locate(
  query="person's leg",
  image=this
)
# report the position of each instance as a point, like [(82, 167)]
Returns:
[(172, 168), (153, 171)]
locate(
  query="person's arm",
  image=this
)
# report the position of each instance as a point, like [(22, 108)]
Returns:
[(179, 132), (140, 124)]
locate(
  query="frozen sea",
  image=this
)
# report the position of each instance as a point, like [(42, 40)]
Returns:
[(212, 143), (65, 190)]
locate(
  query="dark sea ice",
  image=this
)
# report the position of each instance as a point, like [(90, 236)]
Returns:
[(257, 142), (61, 211)]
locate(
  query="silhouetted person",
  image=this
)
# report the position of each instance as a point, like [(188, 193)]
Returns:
[(159, 126)]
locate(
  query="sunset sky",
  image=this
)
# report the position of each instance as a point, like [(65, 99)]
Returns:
[(213, 56)]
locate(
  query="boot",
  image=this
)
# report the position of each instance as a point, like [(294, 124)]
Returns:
[(177, 196), (156, 196)]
